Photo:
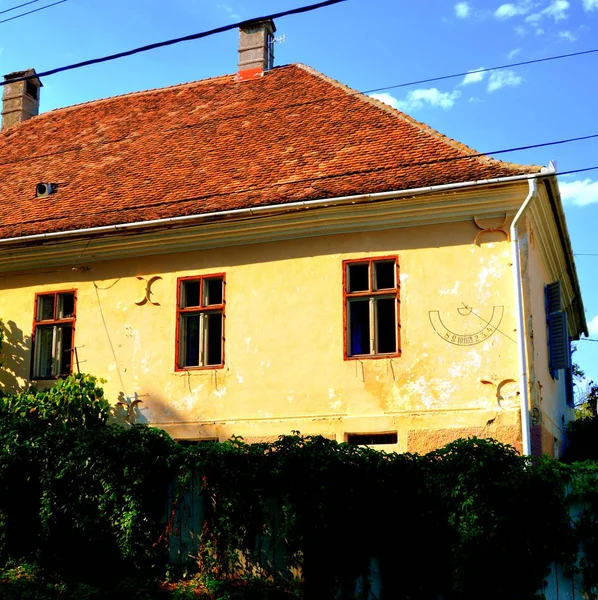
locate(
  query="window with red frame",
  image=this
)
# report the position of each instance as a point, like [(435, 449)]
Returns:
[(53, 332), (372, 307), (200, 319)]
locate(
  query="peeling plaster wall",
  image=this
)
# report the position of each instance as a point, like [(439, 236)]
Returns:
[(284, 366), (549, 410)]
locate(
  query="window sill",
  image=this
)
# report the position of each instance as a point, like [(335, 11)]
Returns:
[(373, 356), (206, 368)]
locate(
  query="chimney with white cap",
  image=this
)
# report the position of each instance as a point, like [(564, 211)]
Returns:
[(256, 49), (20, 99)]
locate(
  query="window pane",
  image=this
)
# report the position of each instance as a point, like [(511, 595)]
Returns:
[(385, 275), (64, 344), (66, 306), (45, 308), (213, 338), (43, 352), (359, 327), (190, 293), (359, 277), (212, 291), (386, 325), (190, 341)]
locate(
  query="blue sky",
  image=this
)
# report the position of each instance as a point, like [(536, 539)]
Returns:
[(367, 45)]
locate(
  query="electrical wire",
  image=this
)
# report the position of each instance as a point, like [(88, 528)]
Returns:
[(586, 340), (170, 42), (497, 68), (30, 13), (19, 6)]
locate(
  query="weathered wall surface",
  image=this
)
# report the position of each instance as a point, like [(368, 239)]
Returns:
[(284, 368), (549, 412)]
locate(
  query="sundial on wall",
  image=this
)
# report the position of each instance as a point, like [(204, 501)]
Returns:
[(469, 328)]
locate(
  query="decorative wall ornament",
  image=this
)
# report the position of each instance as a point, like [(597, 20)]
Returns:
[(495, 229), (148, 290), (498, 386), (467, 339)]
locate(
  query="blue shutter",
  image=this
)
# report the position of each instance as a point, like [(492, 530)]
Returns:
[(553, 298), (558, 341)]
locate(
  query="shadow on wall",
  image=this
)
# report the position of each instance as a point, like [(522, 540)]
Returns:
[(14, 358)]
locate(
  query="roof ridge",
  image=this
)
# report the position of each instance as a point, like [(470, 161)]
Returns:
[(156, 90), (457, 145)]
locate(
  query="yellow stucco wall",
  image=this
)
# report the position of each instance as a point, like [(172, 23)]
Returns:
[(549, 412), (284, 366)]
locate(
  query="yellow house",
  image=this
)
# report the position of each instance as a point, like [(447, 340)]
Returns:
[(272, 251)]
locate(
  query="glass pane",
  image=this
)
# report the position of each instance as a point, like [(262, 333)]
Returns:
[(64, 344), (43, 352), (45, 307), (213, 338), (212, 291), (359, 327), (66, 306), (190, 341), (190, 293), (386, 325), (385, 275), (359, 277)]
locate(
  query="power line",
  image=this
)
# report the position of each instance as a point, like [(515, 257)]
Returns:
[(580, 254), (464, 73), (586, 340), (28, 13), (170, 42), (19, 6)]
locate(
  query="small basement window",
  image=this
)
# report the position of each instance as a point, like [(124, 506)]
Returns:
[(191, 442), (372, 439)]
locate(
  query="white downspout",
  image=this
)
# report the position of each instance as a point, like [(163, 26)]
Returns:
[(522, 362)]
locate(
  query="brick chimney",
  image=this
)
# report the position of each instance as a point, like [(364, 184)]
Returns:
[(256, 49), (20, 100)]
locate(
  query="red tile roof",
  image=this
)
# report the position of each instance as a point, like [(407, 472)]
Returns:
[(218, 144)]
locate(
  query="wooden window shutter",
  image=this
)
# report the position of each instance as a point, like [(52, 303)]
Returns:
[(553, 297), (558, 340)]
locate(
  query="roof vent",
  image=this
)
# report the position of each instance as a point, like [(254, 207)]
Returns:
[(43, 190)]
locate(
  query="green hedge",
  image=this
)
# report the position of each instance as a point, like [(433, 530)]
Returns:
[(88, 509)]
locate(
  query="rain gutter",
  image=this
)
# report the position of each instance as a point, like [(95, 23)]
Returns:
[(275, 208)]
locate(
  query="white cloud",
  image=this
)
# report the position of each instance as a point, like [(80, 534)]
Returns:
[(593, 326), (231, 13), (506, 11), (557, 10), (535, 18), (520, 30), (579, 193), (387, 99), (474, 76), (500, 79), (419, 98), (590, 4), (568, 35), (513, 53), (462, 10)]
